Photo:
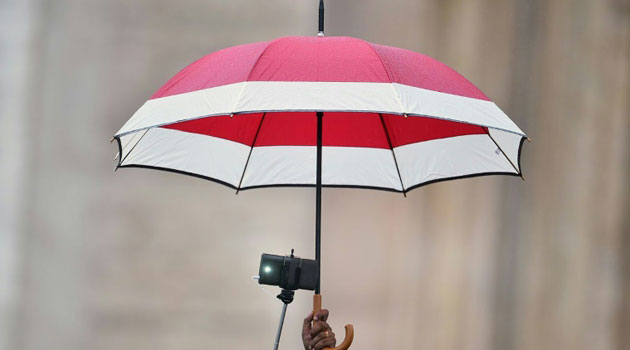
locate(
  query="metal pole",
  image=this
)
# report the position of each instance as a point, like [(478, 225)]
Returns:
[(321, 18), (318, 201), (284, 312)]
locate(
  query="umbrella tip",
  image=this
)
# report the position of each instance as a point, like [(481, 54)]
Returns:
[(320, 32), (529, 140)]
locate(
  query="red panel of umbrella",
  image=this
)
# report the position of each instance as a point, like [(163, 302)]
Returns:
[(321, 112)]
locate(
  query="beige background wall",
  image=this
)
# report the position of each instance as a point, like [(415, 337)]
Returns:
[(138, 259)]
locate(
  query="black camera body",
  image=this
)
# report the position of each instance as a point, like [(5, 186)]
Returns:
[(288, 272)]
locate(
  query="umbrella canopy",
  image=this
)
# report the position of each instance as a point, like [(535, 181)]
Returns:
[(392, 119)]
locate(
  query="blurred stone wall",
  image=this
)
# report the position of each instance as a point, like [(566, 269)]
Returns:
[(138, 259)]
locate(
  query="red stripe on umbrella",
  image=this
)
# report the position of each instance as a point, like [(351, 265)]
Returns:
[(340, 129)]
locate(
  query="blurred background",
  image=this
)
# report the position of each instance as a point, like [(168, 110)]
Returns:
[(140, 259)]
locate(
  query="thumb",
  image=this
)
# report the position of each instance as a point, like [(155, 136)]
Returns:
[(306, 327)]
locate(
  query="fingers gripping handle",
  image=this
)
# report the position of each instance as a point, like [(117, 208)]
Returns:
[(345, 344)]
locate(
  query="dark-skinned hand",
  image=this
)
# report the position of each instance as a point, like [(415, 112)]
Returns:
[(317, 335)]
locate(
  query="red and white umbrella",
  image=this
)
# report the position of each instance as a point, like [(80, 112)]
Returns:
[(323, 112), (392, 119)]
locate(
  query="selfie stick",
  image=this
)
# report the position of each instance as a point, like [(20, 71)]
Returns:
[(287, 297)]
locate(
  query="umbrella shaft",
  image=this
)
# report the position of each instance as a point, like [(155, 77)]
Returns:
[(318, 201)]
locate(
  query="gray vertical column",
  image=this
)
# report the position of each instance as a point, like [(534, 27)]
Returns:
[(15, 24)]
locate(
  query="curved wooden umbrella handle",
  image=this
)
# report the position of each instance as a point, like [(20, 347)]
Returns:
[(345, 344)]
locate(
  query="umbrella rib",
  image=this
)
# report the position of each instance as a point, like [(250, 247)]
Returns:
[(506, 157), (390, 76), (389, 142), (250, 152), (133, 138), (134, 147), (240, 94)]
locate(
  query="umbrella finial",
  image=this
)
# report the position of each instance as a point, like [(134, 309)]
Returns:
[(321, 18)]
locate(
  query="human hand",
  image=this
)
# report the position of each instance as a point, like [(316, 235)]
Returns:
[(319, 335)]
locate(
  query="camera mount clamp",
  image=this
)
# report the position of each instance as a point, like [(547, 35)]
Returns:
[(286, 296)]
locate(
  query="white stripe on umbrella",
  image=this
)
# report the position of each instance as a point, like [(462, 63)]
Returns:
[(202, 155), (225, 160), (453, 157), (248, 97)]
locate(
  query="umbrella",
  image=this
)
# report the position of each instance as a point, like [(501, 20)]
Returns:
[(321, 112)]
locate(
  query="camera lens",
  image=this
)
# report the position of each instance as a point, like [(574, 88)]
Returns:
[(270, 269)]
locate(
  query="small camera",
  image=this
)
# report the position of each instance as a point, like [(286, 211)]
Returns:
[(288, 272)]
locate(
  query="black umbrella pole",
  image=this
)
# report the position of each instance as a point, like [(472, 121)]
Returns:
[(317, 298), (318, 201)]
